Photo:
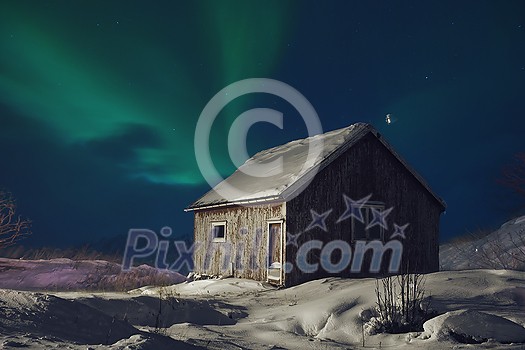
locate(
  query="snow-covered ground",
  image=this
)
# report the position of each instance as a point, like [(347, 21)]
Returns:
[(479, 305), (503, 248), (477, 309)]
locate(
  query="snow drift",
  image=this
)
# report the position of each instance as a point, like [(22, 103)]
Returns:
[(468, 326), (501, 249)]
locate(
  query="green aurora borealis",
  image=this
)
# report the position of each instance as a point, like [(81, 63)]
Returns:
[(93, 75)]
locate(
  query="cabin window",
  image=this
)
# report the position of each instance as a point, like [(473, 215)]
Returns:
[(360, 232), (218, 231)]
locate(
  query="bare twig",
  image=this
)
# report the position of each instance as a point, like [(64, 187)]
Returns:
[(12, 227), (514, 175), (398, 300)]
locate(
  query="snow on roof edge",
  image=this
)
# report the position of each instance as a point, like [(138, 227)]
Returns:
[(295, 185), (359, 131)]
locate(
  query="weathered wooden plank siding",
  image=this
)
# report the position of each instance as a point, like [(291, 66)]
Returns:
[(367, 168), (246, 240)]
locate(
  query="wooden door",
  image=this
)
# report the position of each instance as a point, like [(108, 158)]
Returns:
[(274, 251)]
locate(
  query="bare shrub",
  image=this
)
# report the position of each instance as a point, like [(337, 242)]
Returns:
[(85, 252), (12, 226), (136, 278), (501, 250), (495, 254), (401, 305), (168, 302), (514, 175), (471, 236)]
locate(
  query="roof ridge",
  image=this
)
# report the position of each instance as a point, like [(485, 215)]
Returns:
[(284, 187)]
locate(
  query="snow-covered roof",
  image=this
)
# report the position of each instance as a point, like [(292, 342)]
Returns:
[(273, 183)]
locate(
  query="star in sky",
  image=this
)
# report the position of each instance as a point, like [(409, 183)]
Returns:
[(379, 218), (399, 231), (318, 220), (292, 239), (353, 208)]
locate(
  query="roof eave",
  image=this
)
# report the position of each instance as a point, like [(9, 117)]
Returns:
[(246, 202)]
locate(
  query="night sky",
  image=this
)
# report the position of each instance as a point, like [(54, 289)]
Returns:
[(99, 100)]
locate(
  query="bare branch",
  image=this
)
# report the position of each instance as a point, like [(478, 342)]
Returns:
[(514, 175), (12, 227)]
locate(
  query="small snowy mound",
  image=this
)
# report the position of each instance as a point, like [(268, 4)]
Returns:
[(47, 315), (210, 287), (467, 326)]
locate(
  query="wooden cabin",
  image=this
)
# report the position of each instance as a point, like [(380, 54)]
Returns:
[(257, 230)]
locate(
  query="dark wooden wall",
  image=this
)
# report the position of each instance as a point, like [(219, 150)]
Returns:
[(367, 168), (246, 240)]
